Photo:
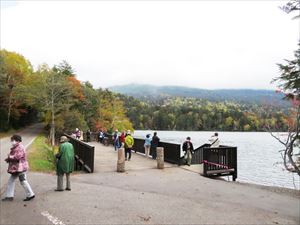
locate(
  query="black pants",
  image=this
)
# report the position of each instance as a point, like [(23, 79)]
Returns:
[(128, 151), (153, 152)]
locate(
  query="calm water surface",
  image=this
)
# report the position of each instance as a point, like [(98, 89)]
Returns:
[(259, 160)]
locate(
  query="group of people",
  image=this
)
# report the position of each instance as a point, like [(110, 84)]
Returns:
[(123, 140), (127, 141), (77, 134), (151, 143), (18, 166)]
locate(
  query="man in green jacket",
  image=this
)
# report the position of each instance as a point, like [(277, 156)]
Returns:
[(65, 163), (129, 142)]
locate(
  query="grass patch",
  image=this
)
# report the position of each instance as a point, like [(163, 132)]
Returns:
[(41, 156)]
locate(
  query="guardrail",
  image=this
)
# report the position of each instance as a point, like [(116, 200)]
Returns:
[(84, 154), (171, 151), (218, 161)]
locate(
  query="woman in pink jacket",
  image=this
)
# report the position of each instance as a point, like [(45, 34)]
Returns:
[(17, 167)]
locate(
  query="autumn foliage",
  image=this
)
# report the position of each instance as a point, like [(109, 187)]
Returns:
[(55, 96)]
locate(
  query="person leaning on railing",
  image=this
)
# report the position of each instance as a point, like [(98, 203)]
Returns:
[(214, 141), (147, 145), (154, 144)]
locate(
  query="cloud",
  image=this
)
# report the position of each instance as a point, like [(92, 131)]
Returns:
[(4, 4), (205, 44)]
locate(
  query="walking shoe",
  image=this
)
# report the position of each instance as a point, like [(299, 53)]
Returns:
[(8, 199), (68, 189), (29, 198), (58, 190)]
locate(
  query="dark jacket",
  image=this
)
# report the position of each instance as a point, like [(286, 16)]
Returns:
[(155, 141), (187, 144)]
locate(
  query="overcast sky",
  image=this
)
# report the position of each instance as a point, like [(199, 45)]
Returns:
[(203, 44)]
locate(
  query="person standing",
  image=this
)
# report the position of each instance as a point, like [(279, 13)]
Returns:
[(65, 163), (116, 140), (147, 145), (129, 142), (101, 136), (154, 144), (77, 133), (188, 148), (214, 141), (17, 167), (122, 139), (88, 136)]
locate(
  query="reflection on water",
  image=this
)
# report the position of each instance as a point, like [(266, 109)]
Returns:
[(259, 160)]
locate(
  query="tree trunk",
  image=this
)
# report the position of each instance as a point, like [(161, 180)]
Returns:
[(52, 131), (9, 106)]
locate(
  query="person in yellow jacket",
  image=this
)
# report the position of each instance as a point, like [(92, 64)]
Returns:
[(129, 142)]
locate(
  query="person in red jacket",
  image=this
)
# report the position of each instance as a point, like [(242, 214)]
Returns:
[(122, 139)]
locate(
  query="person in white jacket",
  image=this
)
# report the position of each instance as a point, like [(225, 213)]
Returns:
[(214, 141)]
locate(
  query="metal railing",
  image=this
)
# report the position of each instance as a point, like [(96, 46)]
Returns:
[(84, 154), (217, 161), (220, 161), (171, 151)]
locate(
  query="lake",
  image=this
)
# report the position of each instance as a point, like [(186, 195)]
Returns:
[(259, 159)]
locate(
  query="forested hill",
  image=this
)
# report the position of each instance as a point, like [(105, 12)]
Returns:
[(236, 95)]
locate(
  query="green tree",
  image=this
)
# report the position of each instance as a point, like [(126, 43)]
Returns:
[(112, 113), (289, 79), (64, 68), (89, 105), (13, 70), (50, 92), (229, 122), (66, 122)]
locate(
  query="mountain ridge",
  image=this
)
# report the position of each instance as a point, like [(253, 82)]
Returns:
[(147, 91)]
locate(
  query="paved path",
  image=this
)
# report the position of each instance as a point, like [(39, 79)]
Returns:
[(146, 195)]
